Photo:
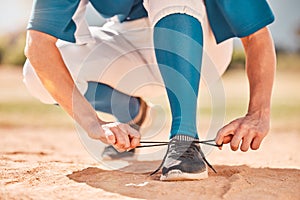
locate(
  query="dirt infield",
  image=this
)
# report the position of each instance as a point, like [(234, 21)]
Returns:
[(51, 164)]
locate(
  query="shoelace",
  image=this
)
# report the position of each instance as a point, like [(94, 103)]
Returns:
[(159, 143)]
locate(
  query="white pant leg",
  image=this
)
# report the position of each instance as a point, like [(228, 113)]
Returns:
[(215, 56), (121, 56), (34, 85)]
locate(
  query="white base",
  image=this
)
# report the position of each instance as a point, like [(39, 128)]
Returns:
[(177, 175)]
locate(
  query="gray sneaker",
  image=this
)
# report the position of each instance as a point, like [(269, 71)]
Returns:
[(184, 160), (110, 153)]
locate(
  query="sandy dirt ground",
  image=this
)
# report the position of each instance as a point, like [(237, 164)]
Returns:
[(52, 163)]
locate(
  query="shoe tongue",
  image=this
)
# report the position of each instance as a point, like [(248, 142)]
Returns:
[(184, 138)]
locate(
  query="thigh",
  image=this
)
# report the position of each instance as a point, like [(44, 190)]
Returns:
[(119, 55), (119, 58)]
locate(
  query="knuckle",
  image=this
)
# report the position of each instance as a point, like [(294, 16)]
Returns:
[(252, 132), (244, 127), (114, 129), (221, 133), (238, 137), (223, 129), (137, 135), (122, 126), (125, 126)]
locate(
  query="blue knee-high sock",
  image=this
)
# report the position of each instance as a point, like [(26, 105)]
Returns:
[(106, 99), (178, 42)]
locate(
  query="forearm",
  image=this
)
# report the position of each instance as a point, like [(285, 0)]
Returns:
[(49, 66), (260, 66)]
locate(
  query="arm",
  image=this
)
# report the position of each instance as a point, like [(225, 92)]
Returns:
[(260, 66), (47, 61)]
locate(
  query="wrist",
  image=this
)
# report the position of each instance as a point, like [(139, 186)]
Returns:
[(262, 112), (88, 120), (262, 107), (93, 127)]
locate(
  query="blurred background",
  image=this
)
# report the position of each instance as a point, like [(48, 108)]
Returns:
[(19, 109), (41, 156)]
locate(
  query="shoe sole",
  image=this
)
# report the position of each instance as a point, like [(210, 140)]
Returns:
[(178, 175)]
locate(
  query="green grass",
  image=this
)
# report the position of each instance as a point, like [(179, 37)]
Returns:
[(33, 114), (287, 61)]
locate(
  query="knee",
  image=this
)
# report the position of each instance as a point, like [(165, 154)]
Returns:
[(36, 44), (183, 23), (158, 9), (34, 85)]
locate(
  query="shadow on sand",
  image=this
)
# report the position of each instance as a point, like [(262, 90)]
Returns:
[(231, 182)]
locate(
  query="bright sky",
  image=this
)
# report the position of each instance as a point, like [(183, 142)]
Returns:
[(14, 15)]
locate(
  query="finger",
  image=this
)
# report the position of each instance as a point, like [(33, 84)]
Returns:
[(227, 139), (236, 139), (133, 134), (123, 142), (126, 137), (246, 142), (120, 140), (110, 137), (134, 142), (130, 131), (225, 131), (256, 143)]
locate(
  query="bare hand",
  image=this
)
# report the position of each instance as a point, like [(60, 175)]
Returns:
[(121, 136), (250, 129)]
